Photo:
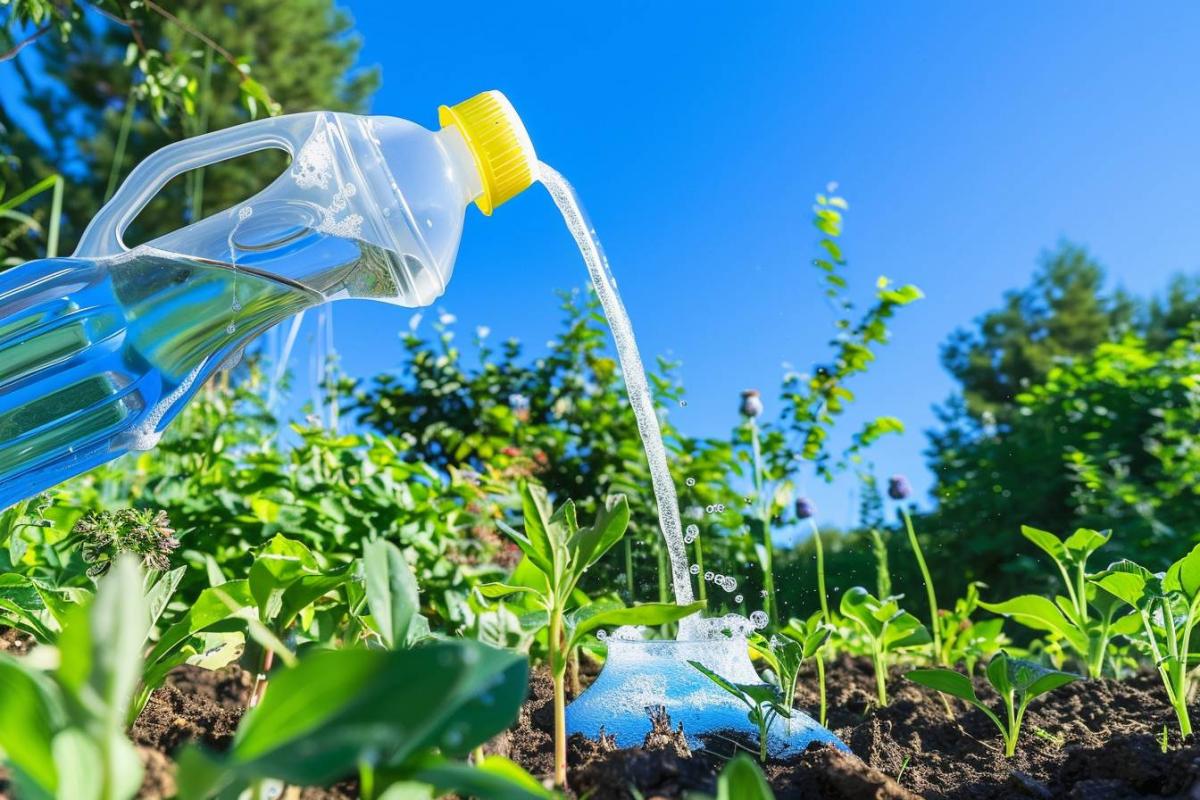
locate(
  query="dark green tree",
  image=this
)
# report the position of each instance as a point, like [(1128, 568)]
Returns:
[(126, 81)]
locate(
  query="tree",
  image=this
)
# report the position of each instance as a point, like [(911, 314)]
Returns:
[(120, 83), (1063, 313)]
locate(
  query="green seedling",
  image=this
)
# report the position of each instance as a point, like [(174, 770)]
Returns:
[(965, 640), (1085, 618), (741, 779), (560, 552), (785, 653), (887, 627), (1167, 606), (62, 731), (935, 644), (762, 701), (394, 716), (1016, 681)]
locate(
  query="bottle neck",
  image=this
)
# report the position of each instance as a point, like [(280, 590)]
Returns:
[(463, 162)]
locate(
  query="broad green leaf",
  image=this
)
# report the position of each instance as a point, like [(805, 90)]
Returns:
[(27, 724), (644, 614), (1047, 541), (858, 604), (213, 606), (533, 553), (728, 686), (903, 630), (392, 593), (1034, 611), (485, 702), (279, 563), (1000, 675), (496, 778), (160, 594), (306, 590), (741, 779), (1083, 542), (612, 519), (1126, 581), (80, 766), (945, 680), (119, 624), (495, 590), (535, 506), (1184, 574)]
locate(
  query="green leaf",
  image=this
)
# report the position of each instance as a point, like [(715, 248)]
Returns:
[(27, 723), (212, 607), (612, 519), (496, 778), (277, 565), (306, 590), (496, 590), (1047, 541), (1031, 679), (728, 686), (1040, 614), (1127, 581), (393, 595), (741, 779), (1083, 542), (119, 624), (535, 506), (1184, 574), (858, 604), (946, 680), (644, 614)]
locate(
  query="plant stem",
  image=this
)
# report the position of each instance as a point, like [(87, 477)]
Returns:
[(55, 218), (1010, 735), (764, 518), (702, 585), (822, 715), (114, 169), (934, 628), (880, 676), (883, 575), (557, 668), (629, 567), (821, 573), (202, 125)]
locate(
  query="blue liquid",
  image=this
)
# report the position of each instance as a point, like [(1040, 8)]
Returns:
[(98, 356)]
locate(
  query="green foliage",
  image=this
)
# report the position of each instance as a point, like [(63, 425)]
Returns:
[(886, 627), (965, 640), (1016, 681), (561, 551), (741, 779), (785, 653), (1167, 606), (392, 596), (1085, 618), (761, 700), (63, 731), (392, 713)]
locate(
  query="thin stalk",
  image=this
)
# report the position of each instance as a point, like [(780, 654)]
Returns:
[(880, 675), (883, 575), (764, 516), (55, 218), (699, 553), (202, 127), (629, 567), (929, 593), (573, 673), (663, 569), (114, 169), (821, 573), (822, 716), (557, 668), (1010, 733)]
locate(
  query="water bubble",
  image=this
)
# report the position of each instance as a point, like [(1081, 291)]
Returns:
[(708, 576), (690, 481), (694, 530), (710, 509), (683, 403), (748, 500), (231, 329), (237, 304), (730, 583), (695, 568), (602, 634), (759, 619), (689, 537), (720, 507), (763, 592), (737, 599)]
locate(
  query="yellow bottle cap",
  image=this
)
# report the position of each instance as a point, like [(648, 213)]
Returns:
[(499, 143)]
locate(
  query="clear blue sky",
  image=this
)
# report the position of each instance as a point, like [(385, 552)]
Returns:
[(967, 139)]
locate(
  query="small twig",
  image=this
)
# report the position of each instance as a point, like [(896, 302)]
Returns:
[(28, 40), (127, 21), (191, 31)]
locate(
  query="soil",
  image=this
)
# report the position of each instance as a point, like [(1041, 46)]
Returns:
[(1090, 740)]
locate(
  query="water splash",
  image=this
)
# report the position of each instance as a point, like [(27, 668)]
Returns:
[(634, 373)]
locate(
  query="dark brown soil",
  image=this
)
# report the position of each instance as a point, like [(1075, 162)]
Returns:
[(15, 642), (1088, 740)]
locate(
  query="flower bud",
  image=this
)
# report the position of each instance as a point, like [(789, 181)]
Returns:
[(805, 508), (899, 488), (752, 404)]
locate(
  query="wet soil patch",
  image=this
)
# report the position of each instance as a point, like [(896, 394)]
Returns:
[(1091, 739)]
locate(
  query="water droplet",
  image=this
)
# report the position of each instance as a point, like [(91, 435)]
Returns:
[(695, 568), (683, 403), (602, 634), (763, 593), (237, 304), (759, 619), (453, 738), (708, 576), (737, 599), (690, 481), (694, 530), (748, 500), (231, 329)]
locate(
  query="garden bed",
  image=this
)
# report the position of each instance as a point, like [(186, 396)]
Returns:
[(1091, 739)]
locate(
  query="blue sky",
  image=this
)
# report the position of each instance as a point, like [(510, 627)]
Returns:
[(967, 139)]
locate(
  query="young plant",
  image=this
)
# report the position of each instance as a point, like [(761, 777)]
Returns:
[(741, 779), (62, 732), (394, 716), (887, 628), (1167, 605), (900, 490), (784, 654), (1085, 617), (762, 701), (560, 552), (1016, 681), (966, 640)]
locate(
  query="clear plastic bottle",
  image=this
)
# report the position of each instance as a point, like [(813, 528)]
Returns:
[(99, 351)]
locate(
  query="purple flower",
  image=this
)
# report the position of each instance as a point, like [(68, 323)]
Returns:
[(752, 404), (805, 508), (899, 488)]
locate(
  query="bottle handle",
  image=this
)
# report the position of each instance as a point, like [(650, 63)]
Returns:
[(102, 237)]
